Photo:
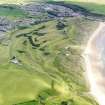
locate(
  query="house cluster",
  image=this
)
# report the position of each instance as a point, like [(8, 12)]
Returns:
[(59, 11), (5, 25), (49, 9), (40, 12), (25, 22)]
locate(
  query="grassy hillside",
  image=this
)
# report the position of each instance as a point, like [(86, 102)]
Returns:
[(19, 2), (91, 1), (13, 1), (43, 63), (93, 7), (12, 11)]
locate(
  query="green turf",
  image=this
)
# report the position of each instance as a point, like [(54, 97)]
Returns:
[(50, 69), (45, 73)]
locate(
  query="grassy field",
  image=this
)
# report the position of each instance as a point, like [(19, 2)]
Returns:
[(93, 7), (49, 69), (42, 64), (13, 1), (90, 1), (12, 11)]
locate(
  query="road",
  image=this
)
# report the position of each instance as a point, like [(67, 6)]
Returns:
[(94, 55)]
